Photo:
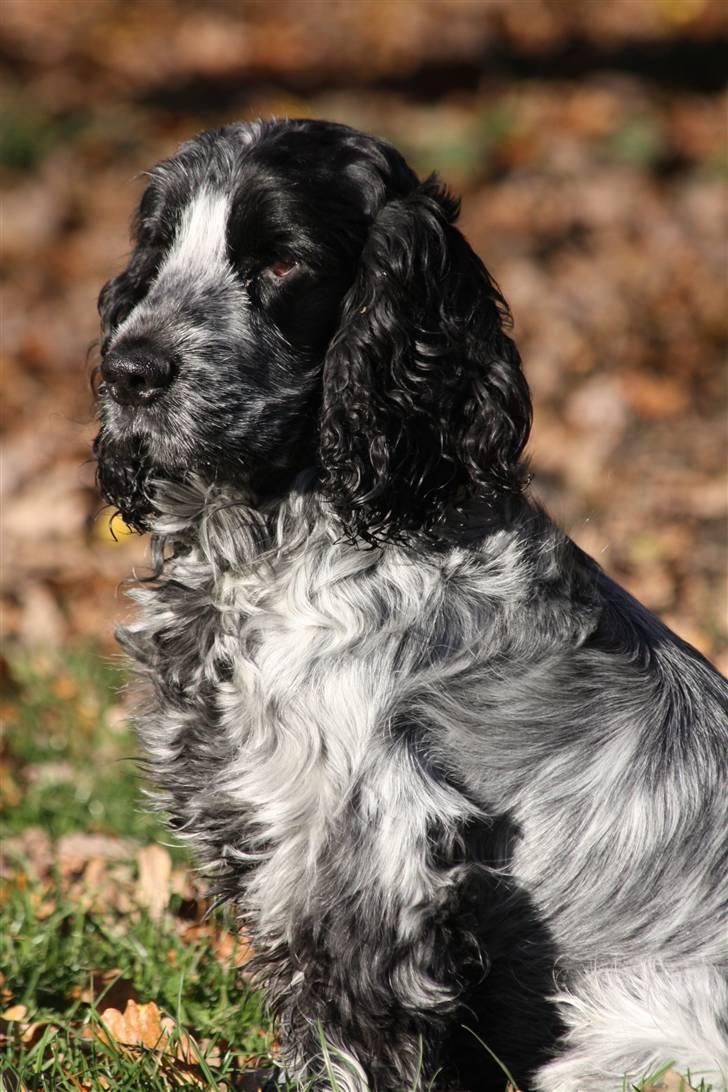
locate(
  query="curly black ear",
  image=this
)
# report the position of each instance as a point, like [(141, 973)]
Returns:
[(424, 400)]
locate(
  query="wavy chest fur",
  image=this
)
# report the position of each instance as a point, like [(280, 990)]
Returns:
[(328, 723), (276, 712)]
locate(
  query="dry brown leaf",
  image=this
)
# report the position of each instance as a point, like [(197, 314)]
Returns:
[(228, 947), (232, 947), (74, 850), (75, 1080), (32, 1032), (10, 792), (153, 884), (145, 1026), (42, 622), (15, 1012), (138, 1025), (29, 1033), (669, 1082), (655, 397), (182, 884), (94, 874)]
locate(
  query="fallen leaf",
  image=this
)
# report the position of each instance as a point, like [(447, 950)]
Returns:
[(94, 873), (144, 1026), (10, 792), (32, 1032), (16, 1012), (153, 884), (42, 622), (74, 850), (669, 1082), (232, 947), (138, 1025), (75, 1080), (655, 397)]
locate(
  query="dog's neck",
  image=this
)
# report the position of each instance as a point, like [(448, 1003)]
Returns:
[(230, 530)]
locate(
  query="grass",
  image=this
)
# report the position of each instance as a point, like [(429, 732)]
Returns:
[(75, 941), (98, 989), (68, 753), (63, 961)]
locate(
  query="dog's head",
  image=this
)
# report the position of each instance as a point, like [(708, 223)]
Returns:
[(296, 299)]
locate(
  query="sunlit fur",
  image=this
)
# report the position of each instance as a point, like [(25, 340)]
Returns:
[(456, 781)]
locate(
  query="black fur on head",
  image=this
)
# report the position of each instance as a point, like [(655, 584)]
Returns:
[(297, 300)]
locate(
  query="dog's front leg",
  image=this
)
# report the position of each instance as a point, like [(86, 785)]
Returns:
[(373, 1018)]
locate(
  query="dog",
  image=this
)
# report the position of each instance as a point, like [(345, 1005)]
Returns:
[(467, 795)]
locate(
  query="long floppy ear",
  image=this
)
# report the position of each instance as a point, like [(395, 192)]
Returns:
[(424, 401)]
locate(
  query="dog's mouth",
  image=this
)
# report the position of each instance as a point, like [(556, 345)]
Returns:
[(147, 422), (122, 472), (138, 446)]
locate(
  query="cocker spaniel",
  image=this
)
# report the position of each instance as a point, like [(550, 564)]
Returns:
[(462, 788)]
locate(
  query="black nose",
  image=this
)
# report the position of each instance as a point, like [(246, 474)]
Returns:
[(136, 376)]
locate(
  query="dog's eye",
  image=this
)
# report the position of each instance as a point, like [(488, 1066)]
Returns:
[(282, 267)]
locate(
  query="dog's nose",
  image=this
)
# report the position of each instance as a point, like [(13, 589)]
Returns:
[(135, 377)]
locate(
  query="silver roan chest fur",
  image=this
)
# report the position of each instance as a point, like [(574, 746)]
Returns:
[(430, 775)]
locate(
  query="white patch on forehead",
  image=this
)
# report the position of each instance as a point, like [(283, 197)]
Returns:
[(200, 241), (194, 270)]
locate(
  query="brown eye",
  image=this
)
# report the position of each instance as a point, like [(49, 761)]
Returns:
[(283, 267)]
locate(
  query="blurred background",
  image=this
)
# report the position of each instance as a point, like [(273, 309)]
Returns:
[(588, 139)]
